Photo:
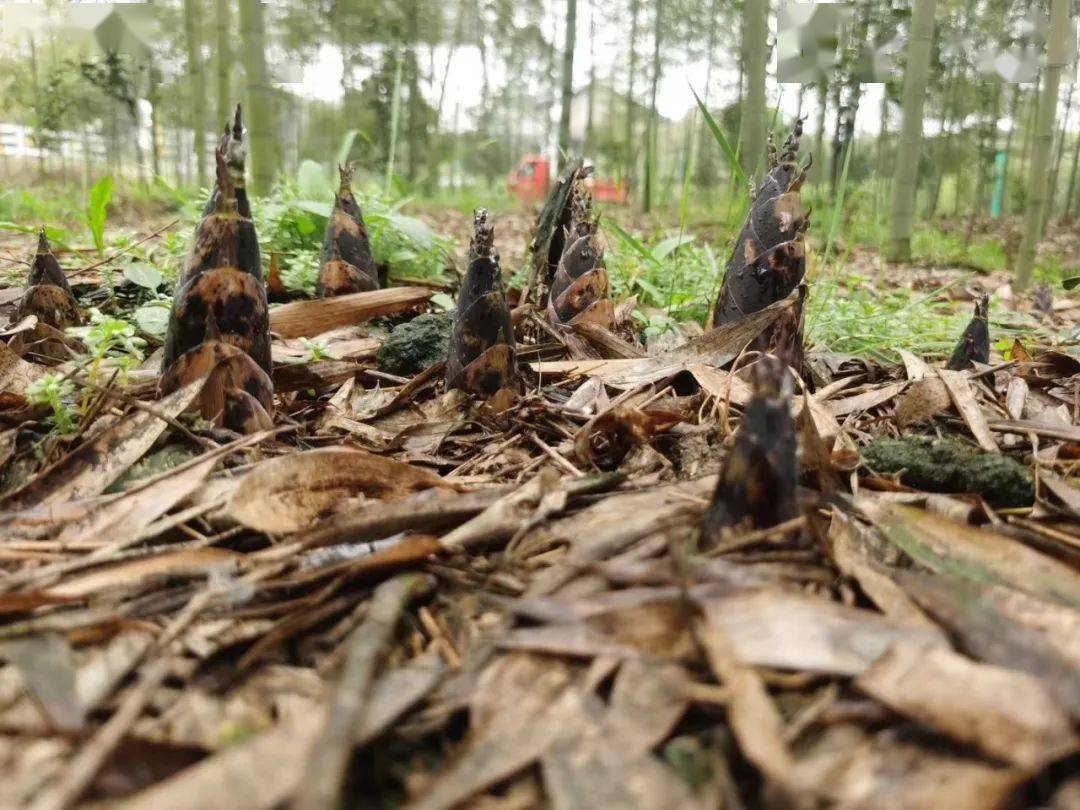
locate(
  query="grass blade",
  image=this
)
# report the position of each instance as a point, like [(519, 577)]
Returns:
[(725, 145), (631, 242)]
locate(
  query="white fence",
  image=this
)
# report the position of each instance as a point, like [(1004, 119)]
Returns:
[(71, 154)]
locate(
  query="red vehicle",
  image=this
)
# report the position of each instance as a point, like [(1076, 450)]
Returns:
[(532, 180)]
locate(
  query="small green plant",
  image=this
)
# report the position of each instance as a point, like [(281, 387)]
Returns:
[(317, 350), (100, 195), (55, 392), (112, 343)]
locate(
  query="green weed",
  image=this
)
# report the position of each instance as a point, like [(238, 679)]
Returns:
[(56, 393)]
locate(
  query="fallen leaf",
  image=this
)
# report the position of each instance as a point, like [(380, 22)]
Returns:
[(770, 628), (295, 492), (963, 397), (198, 562), (1006, 714), (978, 554)]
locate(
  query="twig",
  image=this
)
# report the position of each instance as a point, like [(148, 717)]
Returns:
[(329, 757), (122, 251)]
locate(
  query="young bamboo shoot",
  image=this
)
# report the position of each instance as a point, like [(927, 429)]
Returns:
[(219, 324), (347, 263), (769, 259), (974, 344), (580, 290), (48, 297), (758, 484), (481, 357)]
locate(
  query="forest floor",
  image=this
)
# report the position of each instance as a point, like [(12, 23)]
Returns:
[(402, 597)]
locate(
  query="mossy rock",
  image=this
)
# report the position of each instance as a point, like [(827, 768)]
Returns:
[(950, 465), (416, 345)]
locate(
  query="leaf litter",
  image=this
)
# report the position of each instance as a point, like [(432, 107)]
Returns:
[(559, 571)]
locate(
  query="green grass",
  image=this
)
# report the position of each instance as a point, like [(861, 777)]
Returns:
[(842, 316)]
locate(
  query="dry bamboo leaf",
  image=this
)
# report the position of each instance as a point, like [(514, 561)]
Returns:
[(347, 263), (291, 493), (981, 555), (866, 400), (1006, 714), (606, 439), (1005, 627), (647, 700), (754, 718), (963, 397), (848, 546), (916, 367), (887, 772), (16, 374), (235, 778), (615, 523), (122, 518), (588, 765), (1069, 494), (1016, 397), (91, 467), (525, 701), (542, 495), (194, 563), (49, 673), (328, 760), (1060, 432), (924, 399), (310, 318), (769, 628)]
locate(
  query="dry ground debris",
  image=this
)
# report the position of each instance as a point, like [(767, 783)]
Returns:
[(399, 593)]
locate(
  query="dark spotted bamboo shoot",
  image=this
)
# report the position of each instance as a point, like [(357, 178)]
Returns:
[(348, 265), (48, 297), (481, 356), (580, 290), (758, 485), (549, 238), (974, 344), (769, 260), (236, 157), (219, 324)]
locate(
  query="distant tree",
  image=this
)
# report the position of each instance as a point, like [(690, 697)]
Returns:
[(196, 83), (223, 60), (260, 110), (1039, 191), (916, 74), (755, 57), (567, 92), (654, 118), (629, 152)]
